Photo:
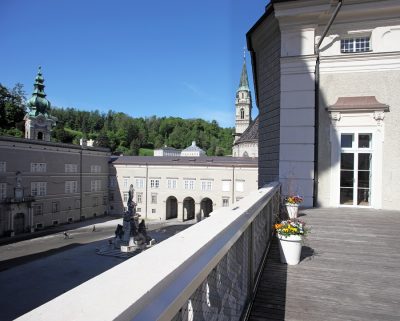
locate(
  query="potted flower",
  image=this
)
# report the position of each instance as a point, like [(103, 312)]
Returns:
[(292, 205), (290, 234)]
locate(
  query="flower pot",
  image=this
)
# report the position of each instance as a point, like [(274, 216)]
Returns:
[(292, 210), (290, 248)]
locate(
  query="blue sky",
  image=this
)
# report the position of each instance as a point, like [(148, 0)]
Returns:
[(166, 58)]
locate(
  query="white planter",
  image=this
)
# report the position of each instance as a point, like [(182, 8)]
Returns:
[(292, 210), (290, 249)]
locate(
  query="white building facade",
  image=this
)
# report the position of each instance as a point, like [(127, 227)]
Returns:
[(180, 188), (327, 75)]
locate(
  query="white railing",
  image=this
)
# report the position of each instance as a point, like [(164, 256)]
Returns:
[(206, 272)]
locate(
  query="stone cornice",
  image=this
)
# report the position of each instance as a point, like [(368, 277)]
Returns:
[(360, 62)]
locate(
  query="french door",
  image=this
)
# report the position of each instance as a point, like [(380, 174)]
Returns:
[(356, 157)]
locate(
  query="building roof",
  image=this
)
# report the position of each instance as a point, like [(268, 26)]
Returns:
[(217, 161), (250, 134), (193, 148), (51, 144), (166, 148)]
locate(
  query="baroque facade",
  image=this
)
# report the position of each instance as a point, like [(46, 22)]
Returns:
[(326, 75), (180, 187), (43, 183)]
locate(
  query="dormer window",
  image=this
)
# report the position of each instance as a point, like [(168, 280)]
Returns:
[(359, 44)]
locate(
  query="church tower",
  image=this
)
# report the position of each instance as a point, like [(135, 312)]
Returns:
[(38, 122), (243, 103)]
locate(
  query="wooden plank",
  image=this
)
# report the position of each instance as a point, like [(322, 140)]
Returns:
[(350, 270)]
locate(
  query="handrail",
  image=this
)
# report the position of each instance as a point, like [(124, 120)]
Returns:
[(156, 284)]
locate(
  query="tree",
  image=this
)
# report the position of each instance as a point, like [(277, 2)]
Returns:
[(12, 106)]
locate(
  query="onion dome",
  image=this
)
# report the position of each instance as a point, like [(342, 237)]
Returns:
[(38, 104)]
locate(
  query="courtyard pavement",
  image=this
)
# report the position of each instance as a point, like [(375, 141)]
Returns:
[(35, 271)]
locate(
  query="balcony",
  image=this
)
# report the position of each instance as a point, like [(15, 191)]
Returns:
[(349, 271)]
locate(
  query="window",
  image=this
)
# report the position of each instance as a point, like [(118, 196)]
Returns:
[(153, 198), (126, 197), (139, 197), (189, 184), (171, 183), (225, 202), (95, 185), (55, 207), (38, 188), (71, 187), (139, 182), (226, 186), (153, 210), (126, 182), (241, 113), (113, 182), (206, 185), (38, 167), (3, 167), (3, 191), (37, 209), (111, 197), (104, 200), (71, 168), (95, 168), (154, 183), (138, 209), (77, 203), (239, 186), (361, 44), (95, 201)]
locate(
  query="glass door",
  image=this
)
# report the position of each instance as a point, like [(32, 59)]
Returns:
[(355, 169)]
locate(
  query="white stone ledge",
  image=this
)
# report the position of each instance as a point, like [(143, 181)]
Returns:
[(156, 283)]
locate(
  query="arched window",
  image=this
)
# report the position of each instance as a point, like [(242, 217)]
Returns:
[(241, 113)]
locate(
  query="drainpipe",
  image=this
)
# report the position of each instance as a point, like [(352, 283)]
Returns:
[(147, 184), (80, 183), (316, 100), (233, 184)]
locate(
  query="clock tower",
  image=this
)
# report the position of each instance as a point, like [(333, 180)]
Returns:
[(243, 103), (38, 122)]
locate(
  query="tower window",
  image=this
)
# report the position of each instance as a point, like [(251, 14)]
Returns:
[(241, 113)]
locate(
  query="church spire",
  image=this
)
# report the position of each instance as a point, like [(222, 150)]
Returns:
[(244, 81)]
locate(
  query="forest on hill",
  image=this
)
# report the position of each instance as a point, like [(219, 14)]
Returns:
[(118, 131)]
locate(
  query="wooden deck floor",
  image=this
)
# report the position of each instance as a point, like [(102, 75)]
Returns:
[(350, 270)]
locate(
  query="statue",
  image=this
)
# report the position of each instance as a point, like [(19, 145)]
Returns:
[(132, 234)]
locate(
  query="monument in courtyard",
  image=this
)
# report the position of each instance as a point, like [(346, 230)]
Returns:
[(132, 235)]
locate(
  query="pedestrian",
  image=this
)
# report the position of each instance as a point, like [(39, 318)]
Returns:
[(94, 228), (66, 236)]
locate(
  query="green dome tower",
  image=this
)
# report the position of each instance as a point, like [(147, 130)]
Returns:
[(38, 122)]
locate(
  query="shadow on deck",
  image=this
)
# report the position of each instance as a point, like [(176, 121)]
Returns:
[(350, 270)]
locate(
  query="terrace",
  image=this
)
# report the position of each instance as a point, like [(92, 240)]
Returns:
[(349, 271)]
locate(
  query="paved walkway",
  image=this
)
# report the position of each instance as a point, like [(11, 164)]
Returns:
[(350, 270), (35, 271)]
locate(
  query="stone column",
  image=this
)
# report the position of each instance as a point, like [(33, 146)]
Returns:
[(197, 212), (180, 211)]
